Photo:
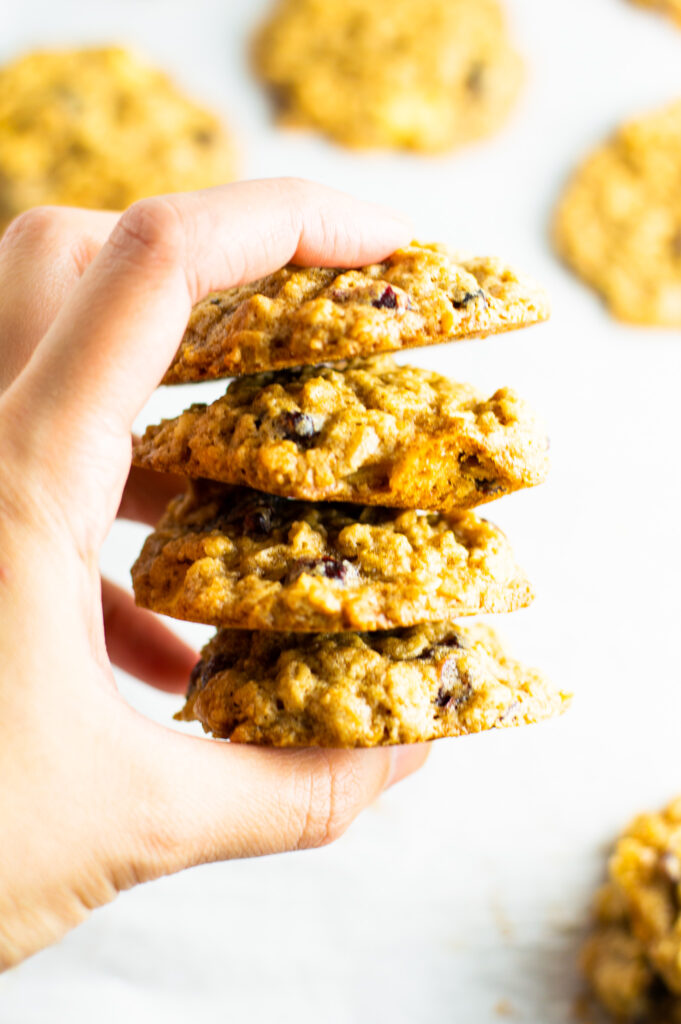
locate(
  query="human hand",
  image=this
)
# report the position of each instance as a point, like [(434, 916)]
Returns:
[(97, 798)]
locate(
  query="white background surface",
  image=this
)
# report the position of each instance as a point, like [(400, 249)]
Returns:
[(468, 885)]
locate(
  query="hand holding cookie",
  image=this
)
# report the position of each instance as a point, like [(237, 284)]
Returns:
[(92, 310)]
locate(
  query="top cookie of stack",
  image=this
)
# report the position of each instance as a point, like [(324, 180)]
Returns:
[(367, 432), (420, 295)]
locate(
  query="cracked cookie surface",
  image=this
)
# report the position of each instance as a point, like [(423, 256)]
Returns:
[(633, 958), (421, 295), (370, 432), (410, 74), (363, 689), (618, 223), (233, 557), (101, 128)]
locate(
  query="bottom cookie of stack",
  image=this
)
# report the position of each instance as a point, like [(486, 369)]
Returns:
[(404, 685)]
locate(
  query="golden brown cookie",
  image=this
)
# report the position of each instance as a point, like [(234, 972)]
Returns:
[(618, 223), (421, 295), (370, 432), (363, 689), (233, 557), (410, 74), (101, 128), (633, 958), (669, 7)]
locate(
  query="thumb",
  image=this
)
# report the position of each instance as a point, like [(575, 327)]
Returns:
[(71, 410), (210, 800)]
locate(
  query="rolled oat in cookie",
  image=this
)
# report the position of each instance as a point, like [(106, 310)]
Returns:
[(234, 557), (421, 295), (369, 431), (363, 689)]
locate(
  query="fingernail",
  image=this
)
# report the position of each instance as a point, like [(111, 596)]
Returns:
[(405, 761)]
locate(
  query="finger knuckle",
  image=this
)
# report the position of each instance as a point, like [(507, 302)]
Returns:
[(32, 227), (334, 799), (150, 228), (335, 234)]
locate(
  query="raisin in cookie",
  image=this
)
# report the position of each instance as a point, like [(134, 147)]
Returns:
[(670, 7), (421, 295), (363, 689), (619, 222), (232, 557), (633, 958), (100, 128), (369, 432), (411, 74)]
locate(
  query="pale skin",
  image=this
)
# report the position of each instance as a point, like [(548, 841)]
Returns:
[(96, 798)]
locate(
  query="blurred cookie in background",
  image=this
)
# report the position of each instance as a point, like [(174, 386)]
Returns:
[(618, 223), (101, 128), (670, 7), (410, 74), (632, 959)]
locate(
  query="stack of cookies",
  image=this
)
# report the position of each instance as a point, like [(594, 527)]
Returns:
[(326, 530)]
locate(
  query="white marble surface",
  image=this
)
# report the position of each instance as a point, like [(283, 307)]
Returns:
[(462, 892)]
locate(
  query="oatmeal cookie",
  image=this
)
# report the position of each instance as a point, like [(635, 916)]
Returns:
[(421, 295), (363, 689), (670, 7), (633, 958), (229, 556), (618, 223), (100, 128), (410, 74), (369, 432)]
